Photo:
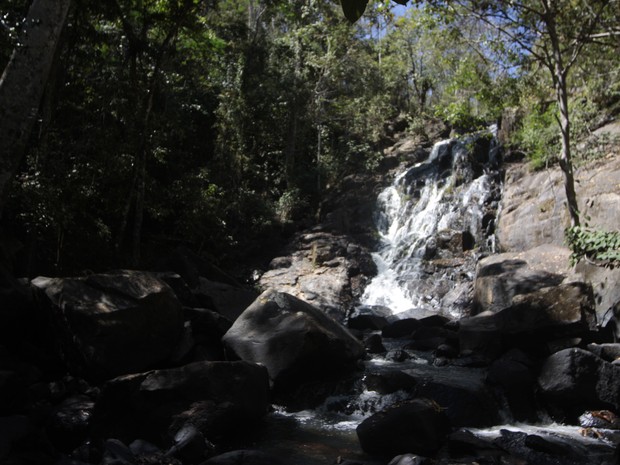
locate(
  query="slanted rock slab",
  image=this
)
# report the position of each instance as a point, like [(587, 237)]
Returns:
[(111, 324), (294, 340)]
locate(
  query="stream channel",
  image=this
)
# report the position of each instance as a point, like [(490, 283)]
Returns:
[(454, 195)]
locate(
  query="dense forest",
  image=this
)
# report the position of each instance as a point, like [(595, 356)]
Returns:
[(222, 125)]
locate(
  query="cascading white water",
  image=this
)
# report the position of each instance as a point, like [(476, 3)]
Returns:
[(421, 203)]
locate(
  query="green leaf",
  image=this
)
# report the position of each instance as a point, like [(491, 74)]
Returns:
[(353, 9)]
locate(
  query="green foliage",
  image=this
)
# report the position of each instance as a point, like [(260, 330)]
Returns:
[(600, 247), (538, 136)]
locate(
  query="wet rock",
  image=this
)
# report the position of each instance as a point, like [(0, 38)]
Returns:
[(369, 317), (514, 375), (608, 352), (418, 426), (409, 459), (112, 324), (605, 419), (575, 380), (244, 457), (374, 344), (446, 351), (431, 337), (461, 392), (400, 328), (554, 450), (294, 340), (464, 443), (190, 445), (69, 423), (214, 397)]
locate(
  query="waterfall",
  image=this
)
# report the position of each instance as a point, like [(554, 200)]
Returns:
[(429, 220)]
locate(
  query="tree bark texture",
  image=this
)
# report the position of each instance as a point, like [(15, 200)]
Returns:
[(559, 73), (23, 83)]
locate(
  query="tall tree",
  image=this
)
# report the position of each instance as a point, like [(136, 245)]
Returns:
[(23, 82), (552, 32)]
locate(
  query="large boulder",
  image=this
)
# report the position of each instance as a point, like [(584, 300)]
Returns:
[(575, 380), (112, 324), (501, 277), (417, 426), (226, 299), (293, 339), (532, 319), (461, 392), (216, 398), (244, 457), (325, 269)]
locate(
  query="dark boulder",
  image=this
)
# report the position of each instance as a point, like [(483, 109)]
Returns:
[(550, 449), (417, 426), (369, 317), (461, 392), (244, 457), (112, 324), (69, 423), (207, 326), (374, 344), (216, 398), (226, 299), (400, 328), (574, 380), (532, 320), (608, 352), (409, 459), (514, 375), (498, 281), (294, 340)]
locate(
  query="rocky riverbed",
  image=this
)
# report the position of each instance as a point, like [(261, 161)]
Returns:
[(186, 366)]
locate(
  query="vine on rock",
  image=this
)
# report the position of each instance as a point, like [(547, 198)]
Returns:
[(601, 248)]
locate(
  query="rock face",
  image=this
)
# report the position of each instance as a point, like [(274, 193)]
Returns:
[(213, 397), (534, 210), (534, 213), (291, 338), (417, 426), (328, 270), (112, 324)]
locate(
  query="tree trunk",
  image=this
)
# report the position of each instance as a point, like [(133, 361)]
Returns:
[(559, 73), (565, 157), (23, 82)]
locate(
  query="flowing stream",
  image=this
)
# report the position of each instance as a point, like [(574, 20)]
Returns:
[(434, 221), (430, 206)]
